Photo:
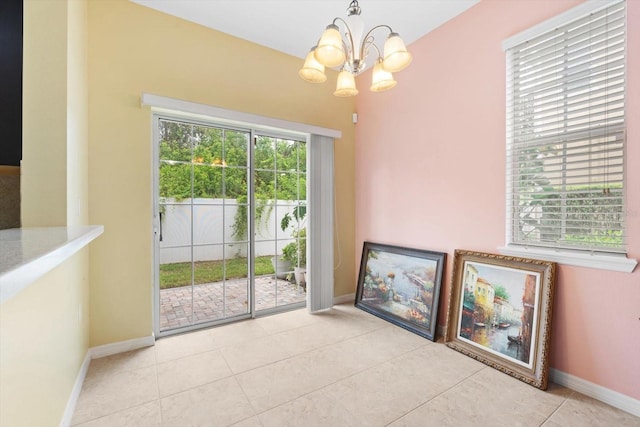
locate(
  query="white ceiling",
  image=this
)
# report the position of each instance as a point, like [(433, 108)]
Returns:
[(294, 26)]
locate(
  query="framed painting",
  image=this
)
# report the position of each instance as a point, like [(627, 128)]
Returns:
[(401, 285), (500, 313)]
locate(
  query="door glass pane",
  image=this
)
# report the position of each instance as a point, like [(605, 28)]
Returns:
[(175, 141), (174, 180), (208, 224), (235, 148), (265, 186), (264, 153), (207, 181), (175, 224), (208, 283), (236, 295), (207, 145), (235, 183), (287, 186), (286, 155), (175, 277)]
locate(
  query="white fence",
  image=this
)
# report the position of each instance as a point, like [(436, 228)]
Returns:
[(207, 224)]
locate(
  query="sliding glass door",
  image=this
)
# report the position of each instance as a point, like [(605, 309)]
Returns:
[(230, 212)]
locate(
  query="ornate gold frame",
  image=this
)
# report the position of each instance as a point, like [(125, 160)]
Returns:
[(535, 317)]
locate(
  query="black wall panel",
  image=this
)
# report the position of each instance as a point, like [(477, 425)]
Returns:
[(10, 82)]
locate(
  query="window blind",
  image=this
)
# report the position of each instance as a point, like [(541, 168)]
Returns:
[(566, 135)]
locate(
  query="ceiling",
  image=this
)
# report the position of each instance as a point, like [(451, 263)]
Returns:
[(294, 26)]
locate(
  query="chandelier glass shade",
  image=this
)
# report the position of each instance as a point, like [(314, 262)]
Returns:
[(312, 71), (346, 84), (347, 52)]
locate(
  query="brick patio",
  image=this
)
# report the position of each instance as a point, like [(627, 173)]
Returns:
[(213, 301)]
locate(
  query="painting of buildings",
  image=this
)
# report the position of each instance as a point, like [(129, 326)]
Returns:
[(498, 309)]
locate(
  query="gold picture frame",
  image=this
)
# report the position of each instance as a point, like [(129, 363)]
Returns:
[(500, 311)]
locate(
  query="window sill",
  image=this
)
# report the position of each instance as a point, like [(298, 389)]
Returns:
[(578, 259)]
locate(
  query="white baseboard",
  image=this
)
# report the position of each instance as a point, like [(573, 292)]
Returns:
[(95, 353), (610, 397), (342, 299), (121, 347), (75, 392)]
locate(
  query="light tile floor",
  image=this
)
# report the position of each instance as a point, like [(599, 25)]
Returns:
[(343, 367)]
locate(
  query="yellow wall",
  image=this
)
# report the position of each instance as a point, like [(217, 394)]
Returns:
[(43, 341), (44, 330), (44, 123), (134, 49), (55, 114), (77, 109)]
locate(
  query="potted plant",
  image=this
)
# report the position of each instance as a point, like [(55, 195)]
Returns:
[(296, 251), (281, 266)]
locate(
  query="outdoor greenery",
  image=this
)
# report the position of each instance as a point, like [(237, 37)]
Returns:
[(198, 161), (179, 274), (296, 252), (584, 216), (585, 208)]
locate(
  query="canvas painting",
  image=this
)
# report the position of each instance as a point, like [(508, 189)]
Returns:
[(401, 285), (498, 309), (500, 312)]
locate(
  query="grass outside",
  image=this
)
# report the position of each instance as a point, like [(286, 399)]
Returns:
[(179, 274)]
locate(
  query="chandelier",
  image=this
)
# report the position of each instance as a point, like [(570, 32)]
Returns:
[(348, 55)]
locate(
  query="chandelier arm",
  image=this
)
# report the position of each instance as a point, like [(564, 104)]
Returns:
[(366, 44), (371, 43), (368, 35), (348, 32)]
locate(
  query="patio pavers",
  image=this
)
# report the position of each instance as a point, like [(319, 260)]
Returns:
[(215, 301)]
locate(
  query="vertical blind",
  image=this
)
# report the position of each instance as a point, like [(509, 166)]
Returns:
[(320, 244), (566, 135)]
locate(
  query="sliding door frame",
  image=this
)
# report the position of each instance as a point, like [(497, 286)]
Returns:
[(320, 247)]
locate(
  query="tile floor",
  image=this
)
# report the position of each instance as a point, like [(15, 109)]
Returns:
[(343, 367)]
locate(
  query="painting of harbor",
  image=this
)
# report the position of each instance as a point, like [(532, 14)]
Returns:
[(498, 309), (500, 312), (401, 285)]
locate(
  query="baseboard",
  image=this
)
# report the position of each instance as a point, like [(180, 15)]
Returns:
[(342, 299), (75, 392), (121, 347), (95, 353), (610, 397)]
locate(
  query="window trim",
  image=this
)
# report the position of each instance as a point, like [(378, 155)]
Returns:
[(600, 261), (164, 104), (583, 9), (578, 258)]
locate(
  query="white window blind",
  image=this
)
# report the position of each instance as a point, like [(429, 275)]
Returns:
[(566, 135)]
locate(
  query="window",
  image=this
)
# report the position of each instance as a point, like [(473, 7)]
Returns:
[(566, 132)]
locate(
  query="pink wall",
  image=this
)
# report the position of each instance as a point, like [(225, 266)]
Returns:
[(430, 173)]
